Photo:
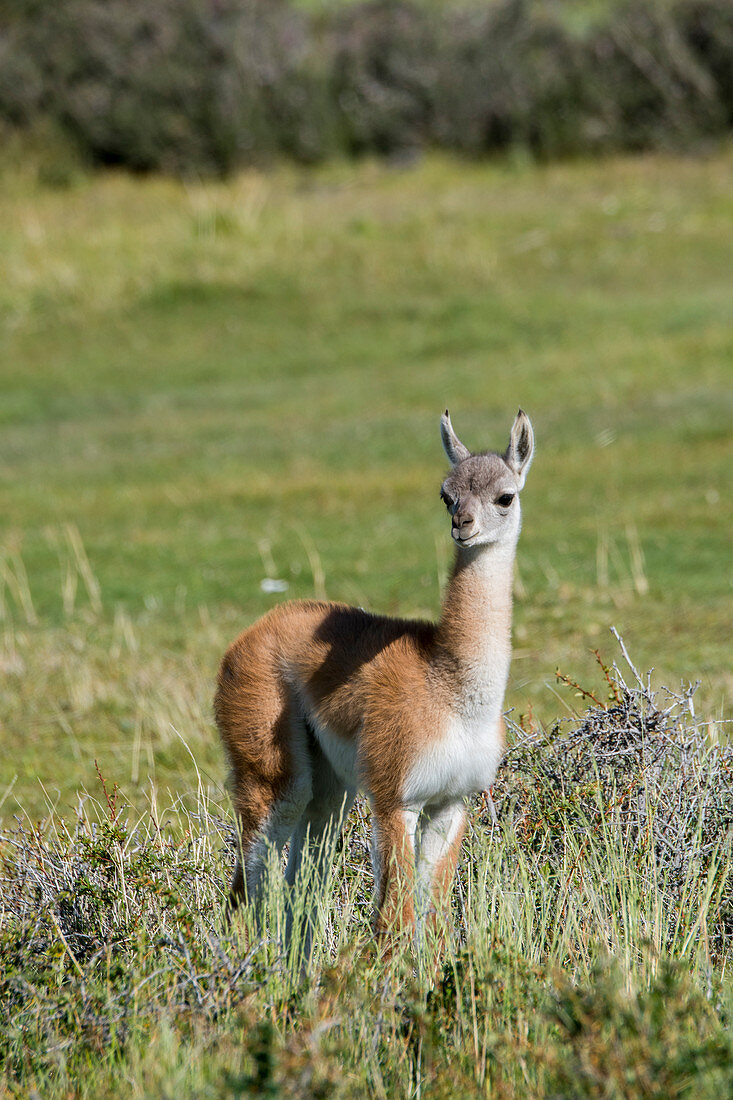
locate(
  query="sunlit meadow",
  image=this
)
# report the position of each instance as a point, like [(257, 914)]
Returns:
[(207, 388)]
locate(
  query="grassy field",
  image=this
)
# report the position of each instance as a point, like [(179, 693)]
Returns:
[(205, 386)]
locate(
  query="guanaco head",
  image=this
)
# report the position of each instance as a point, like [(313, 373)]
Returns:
[(482, 490)]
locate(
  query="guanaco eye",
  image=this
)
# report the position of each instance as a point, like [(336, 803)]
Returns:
[(505, 500), (446, 498)]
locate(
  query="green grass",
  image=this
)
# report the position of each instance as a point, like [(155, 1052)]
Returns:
[(204, 385)]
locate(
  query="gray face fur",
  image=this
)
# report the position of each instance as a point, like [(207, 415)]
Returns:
[(482, 491)]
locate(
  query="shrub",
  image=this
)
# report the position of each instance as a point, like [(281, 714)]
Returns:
[(116, 964), (383, 63), (202, 86), (644, 87), (641, 770), (22, 80), (179, 85), (708, 29), (506, 76)]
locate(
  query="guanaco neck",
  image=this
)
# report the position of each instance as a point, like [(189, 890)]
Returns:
[(473, 639)]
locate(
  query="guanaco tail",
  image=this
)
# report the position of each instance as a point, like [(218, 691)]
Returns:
[(317, 700)]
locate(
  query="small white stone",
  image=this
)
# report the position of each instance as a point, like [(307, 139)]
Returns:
[(270, 584)]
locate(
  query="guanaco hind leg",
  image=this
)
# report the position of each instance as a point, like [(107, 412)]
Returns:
[(309, 813), (267, 743), (313, 842)]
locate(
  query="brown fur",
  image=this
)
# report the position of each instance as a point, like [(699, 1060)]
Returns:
[(359, 672)]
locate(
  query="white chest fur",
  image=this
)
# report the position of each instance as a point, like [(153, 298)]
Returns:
[(462, 761)]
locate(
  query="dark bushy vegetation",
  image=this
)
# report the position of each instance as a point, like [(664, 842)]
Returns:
[(178, 85), (201, 86), (708, 30), (383, 59), (650, 88), (506, 78)]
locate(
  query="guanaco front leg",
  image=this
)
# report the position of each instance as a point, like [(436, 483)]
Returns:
[(393, 860), (439, 839)]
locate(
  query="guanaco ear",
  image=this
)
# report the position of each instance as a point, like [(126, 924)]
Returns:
[(519, 453), (455, 450)]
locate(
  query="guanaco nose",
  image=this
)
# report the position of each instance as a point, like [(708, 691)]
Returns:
[(464, 519)]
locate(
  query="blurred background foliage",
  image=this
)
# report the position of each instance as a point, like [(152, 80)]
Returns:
[(204, 86)]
